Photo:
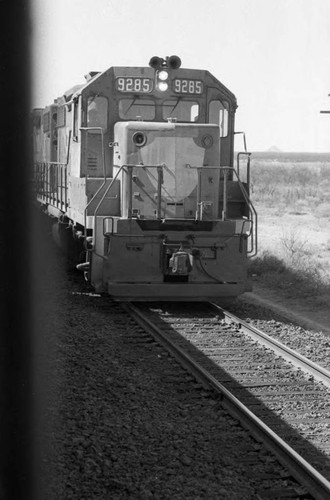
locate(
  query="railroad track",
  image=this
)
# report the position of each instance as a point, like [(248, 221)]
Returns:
[(281, 397)]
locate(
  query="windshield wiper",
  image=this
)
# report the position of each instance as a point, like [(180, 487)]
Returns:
[(175, 105), (132, 103)]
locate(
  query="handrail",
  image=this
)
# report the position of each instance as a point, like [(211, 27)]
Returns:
[(159, 186), (252, 210), (129, 169), (253, 215), (87, 129), (95, 195), (123, 167), (68, 148)]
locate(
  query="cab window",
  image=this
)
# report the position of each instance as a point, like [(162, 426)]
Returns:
[(97, 112), (182, 111), (135, 108), (218, 115), (45, 121)]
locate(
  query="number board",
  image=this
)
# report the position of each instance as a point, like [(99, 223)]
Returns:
[(134, 84), (184, 86)]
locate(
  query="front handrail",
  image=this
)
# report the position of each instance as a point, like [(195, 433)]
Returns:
[(100, 202), (159, 186), (128, 168), (252, 211)]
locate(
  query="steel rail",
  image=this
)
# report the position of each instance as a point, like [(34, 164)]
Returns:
[(303, 472), (295, 358)]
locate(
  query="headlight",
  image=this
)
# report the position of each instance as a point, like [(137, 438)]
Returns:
[(163, 75), (139, 139), (162, 86)]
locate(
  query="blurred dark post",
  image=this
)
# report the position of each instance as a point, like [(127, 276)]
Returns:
[(16, 442)]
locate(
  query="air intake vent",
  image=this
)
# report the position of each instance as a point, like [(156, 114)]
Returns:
[(92, 163)]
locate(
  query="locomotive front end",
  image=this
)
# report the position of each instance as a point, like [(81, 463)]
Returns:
[(145, 179)]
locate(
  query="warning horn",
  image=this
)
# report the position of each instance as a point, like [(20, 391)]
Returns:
[(174, 62), (156, 62)]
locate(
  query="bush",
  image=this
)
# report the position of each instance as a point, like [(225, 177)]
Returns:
[(266, 263), (304, 282), (275, 182), (292, 264), (323, 210)]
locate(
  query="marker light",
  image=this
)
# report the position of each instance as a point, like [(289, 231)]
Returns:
[(162, 86), (163, 75)]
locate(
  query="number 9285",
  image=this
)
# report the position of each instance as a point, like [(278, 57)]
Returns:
[(128, 84), (183, 86)]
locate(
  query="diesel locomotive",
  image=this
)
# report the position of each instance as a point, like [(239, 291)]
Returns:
[(137, 168)]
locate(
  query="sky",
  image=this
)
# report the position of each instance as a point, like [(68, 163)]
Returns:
[(274, 55)]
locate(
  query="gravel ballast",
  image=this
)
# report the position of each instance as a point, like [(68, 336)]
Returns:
[(117, 418)]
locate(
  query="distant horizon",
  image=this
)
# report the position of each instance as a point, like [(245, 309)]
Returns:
[(267, 151), (291, 152)]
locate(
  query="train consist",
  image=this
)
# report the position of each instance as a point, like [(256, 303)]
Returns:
[(136, 165)]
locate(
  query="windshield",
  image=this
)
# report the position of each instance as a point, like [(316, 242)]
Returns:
[(135, 108), (183, 111), (97, 112)]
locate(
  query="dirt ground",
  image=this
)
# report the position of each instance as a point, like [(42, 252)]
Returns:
[(293, 309), (300, 230), (284, 234)]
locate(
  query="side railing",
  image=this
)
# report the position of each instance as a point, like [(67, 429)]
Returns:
[(51, 184), (51, 181)]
